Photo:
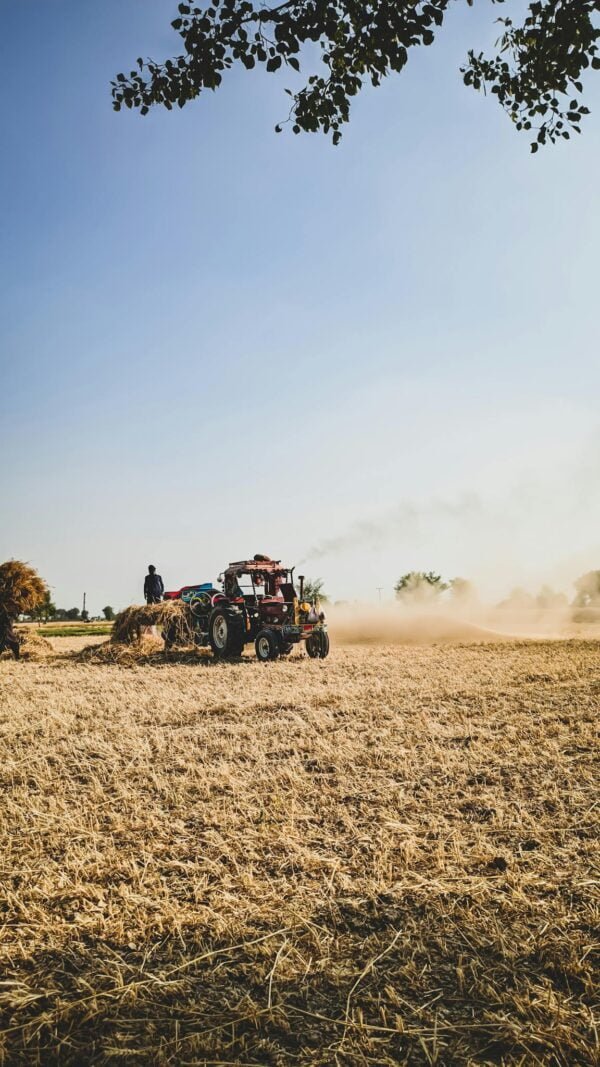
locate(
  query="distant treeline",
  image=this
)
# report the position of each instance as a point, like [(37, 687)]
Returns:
[(416, 586), (48, 612)]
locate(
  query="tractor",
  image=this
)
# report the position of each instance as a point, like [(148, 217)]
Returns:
[(257, 602)]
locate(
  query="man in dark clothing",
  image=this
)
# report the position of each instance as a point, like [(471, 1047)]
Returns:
[(8, 637), (153, 586)]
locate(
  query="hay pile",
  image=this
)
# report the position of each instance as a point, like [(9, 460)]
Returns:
[(136, 653), (33, 645), (132, 644), (148, 651), (21, 589), (130, 624)]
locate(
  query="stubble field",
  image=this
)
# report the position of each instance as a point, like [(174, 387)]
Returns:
[(389, 857)]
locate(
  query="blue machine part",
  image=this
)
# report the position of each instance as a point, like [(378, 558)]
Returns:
[(193, 590)]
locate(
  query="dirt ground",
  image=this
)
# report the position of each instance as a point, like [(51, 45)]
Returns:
[(389, 857)]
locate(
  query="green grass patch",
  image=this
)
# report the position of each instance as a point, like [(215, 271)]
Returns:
[(83, 630)]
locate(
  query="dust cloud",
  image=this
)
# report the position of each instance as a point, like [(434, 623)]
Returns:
[(445, 623)]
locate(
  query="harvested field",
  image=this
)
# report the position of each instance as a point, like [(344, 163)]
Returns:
[(64, 646), (388, 857)]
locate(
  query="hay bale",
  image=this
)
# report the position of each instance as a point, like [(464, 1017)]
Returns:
[(132, 624), (21, 589)]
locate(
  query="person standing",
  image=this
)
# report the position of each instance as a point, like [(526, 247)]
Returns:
[(153, 586), (8, 638)]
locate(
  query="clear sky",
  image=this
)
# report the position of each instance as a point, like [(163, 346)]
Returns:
[(216, 340)]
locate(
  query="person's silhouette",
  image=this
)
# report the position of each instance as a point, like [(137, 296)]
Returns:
[(153, 586)]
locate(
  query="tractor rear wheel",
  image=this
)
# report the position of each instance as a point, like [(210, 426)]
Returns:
[(225, 633), (317, 645), (266, 645)]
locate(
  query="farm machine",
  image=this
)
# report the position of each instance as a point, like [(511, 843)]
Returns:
[(257, 602)]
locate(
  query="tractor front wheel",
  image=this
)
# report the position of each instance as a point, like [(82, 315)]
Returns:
[(225, 634), (266, 645), (317, 645)]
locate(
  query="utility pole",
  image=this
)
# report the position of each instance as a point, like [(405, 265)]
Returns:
[(380, 591)]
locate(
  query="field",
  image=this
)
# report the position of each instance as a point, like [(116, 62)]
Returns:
[(389, 857)]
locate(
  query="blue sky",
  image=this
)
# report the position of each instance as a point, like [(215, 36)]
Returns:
[(216, 340)]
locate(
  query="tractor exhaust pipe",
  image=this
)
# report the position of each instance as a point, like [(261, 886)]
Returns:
[(301, 580)]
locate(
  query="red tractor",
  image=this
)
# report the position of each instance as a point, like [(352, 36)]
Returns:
[(258, 602)]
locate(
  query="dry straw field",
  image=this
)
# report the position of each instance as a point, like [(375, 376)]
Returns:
[(388, 857)]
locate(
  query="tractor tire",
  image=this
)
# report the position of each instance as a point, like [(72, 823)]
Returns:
[(225, 633), (266, 646), (317, 645)]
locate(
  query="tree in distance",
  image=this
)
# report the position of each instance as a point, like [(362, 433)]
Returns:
[(313, 590), (419, 586), (462, 591), (108, 613), (72, 614), (518, 600), (46, 610), (548, 599), (588, 590), (535, 72)]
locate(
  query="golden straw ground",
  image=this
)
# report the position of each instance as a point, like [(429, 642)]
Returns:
[(387, 857)]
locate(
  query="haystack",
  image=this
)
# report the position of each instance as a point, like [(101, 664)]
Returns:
[(21, 589), (130, 624), (33, 645)]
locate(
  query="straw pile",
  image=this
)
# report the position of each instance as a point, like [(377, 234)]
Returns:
[(33, 645), (130, 624), (387, 858), (21, 589), (148, 651), (134, 640)]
